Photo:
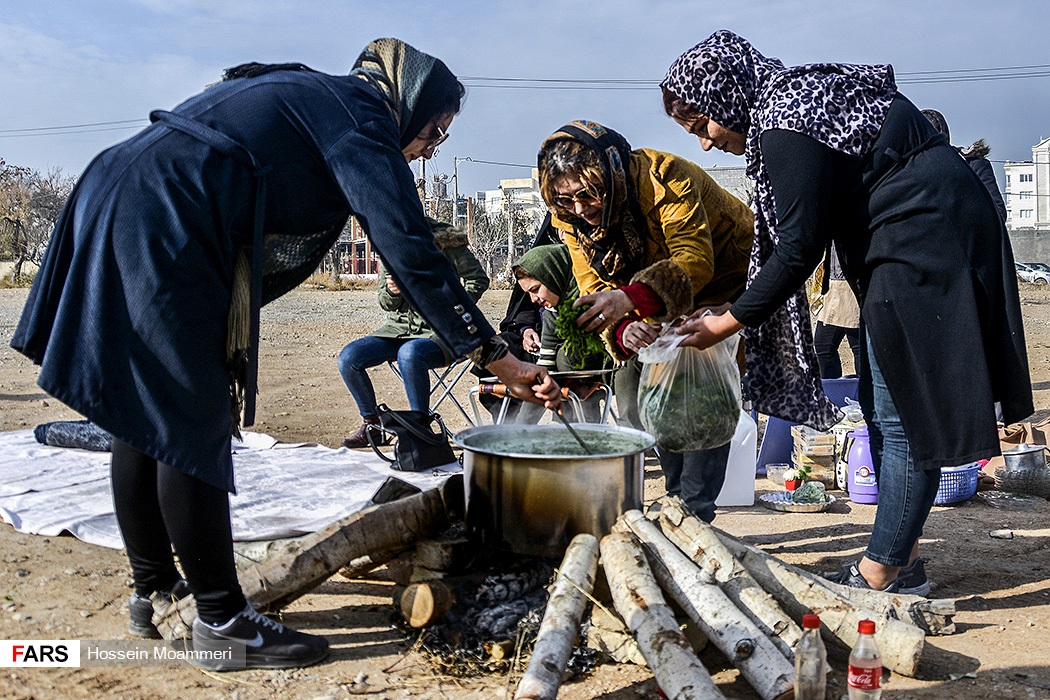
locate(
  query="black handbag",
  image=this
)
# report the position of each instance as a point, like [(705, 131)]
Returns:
[(416, 446)]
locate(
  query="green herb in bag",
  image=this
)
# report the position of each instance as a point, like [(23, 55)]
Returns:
[(689, 399)]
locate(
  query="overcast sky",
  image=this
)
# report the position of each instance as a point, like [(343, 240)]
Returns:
[(75, 62)]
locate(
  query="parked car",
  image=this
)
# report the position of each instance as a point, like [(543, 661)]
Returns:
[(1033, 272)]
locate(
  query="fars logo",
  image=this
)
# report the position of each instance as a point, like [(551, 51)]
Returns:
[(39, 652)]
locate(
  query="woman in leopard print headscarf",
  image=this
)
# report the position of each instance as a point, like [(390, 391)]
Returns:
[(838, 155)]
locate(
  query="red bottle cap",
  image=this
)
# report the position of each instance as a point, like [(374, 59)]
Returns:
[(866, 627), (810, 621)]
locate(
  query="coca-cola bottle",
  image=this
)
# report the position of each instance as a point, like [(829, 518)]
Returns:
[(865, 665), (811, 660)]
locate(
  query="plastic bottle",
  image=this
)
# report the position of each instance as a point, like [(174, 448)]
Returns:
[(739, 486), (865, 665), (811, 660)]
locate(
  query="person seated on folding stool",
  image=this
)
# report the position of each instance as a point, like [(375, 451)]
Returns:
[(406, 337), (545, 274)]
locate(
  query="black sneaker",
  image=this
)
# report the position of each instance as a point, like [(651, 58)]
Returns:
[(912, 579), (142, 609), (850, 576), (264, 643)]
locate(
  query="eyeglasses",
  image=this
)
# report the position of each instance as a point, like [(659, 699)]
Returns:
[(435, 141), (584, 196)]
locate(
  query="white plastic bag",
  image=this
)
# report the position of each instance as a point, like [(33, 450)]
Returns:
[(689, 399)]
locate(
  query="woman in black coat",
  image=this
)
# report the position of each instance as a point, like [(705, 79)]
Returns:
[(840, 156), (144, 316)]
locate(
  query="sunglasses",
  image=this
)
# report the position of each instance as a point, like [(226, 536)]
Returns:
[(583, 196)]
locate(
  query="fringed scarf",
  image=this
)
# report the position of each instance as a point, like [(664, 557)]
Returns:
[(840, 105), (615, 248)]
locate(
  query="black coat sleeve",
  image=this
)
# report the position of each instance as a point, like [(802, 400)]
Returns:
[(983, 168), (804, 175), (378, 184)]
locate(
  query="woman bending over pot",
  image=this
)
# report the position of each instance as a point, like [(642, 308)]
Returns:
[(839, 155), (144, 316), (652, 237)]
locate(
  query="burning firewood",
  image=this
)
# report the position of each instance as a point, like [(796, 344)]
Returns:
[(637, 598), (299, 565), (560, 627), (683, 528), (768, 671), (901, 643)]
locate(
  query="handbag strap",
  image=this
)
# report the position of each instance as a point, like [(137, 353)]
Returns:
[(416, 430), (375, 448)]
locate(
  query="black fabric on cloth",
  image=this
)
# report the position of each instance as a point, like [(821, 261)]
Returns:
[(80, 434), (932, 268), (128, 314), (158, 507)]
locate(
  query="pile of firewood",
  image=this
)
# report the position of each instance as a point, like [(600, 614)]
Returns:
[(745, 601)]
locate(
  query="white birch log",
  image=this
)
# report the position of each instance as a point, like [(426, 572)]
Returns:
[(899, 642), (299, 565), (932, 616), (761, 663), (682, 527), (637, 598), (560, 626)]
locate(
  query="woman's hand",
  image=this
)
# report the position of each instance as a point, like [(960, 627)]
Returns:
[(607, 308), (709, 325), (530, 341), (527, 381), (392, 285), (638, 335)]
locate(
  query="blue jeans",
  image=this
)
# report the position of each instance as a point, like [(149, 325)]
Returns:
[(905, 494), (415, 358)]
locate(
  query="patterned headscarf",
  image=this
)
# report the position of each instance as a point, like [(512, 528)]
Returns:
[(412, 82), (614, 248), (840, 105)]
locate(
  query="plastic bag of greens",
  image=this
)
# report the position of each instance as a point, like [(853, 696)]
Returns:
[(689, 399)]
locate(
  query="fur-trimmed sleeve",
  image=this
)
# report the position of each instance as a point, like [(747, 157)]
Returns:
[(671, 283)]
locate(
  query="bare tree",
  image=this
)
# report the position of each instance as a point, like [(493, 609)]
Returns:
[(30, 204)]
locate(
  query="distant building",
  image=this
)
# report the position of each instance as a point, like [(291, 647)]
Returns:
[(733, 179), (523, 194), (1028, 190)]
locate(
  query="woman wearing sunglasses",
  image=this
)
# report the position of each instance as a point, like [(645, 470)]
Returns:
[(144, 316), (652, 237)]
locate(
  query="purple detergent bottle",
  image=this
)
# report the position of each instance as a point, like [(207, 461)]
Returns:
[(862, 485)]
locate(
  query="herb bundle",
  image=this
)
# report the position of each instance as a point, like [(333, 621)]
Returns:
[(579, 344)]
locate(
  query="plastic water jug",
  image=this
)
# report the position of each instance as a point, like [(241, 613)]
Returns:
[(739, 486), (862, 485)]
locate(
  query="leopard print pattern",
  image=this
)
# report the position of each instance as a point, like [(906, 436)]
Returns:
[(840, 105)]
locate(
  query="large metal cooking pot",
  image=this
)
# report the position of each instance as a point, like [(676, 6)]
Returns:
[(534, 503)]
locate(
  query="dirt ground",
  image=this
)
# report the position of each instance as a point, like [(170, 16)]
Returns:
[(60, 587)]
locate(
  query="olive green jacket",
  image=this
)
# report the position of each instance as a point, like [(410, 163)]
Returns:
[(403, 321)]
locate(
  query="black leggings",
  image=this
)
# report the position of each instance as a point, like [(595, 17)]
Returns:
[(826, 341), (158, 506)]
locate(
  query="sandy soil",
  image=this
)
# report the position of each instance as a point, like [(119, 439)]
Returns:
[(59, 587)]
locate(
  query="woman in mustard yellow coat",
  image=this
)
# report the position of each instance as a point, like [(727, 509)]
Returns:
[(652, 237)]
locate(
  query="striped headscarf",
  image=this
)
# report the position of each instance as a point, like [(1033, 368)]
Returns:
[(413, 83), (840, 105)]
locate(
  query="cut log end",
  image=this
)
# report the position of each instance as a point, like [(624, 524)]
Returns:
[(425, 603)]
